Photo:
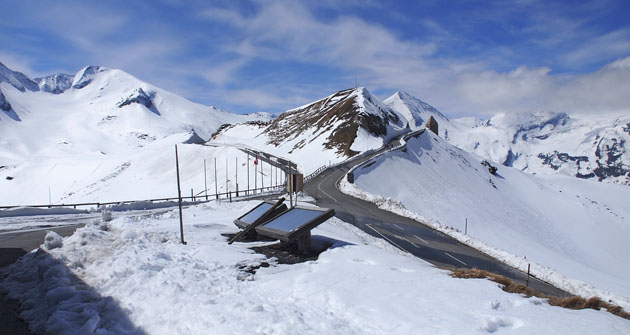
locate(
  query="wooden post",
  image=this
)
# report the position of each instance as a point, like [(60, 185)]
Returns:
[(226, 175), (179, 196), (466, 227), (192, 195), (236, 177), (247, 192), (216, 184), (205, 179), (527, 282)]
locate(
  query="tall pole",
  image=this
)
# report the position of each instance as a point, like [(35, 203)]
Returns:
[(262, 175), (205, 179), (236, 177), (226, 174), (255, 176), (248, 173), (179, 196), (216, 184)]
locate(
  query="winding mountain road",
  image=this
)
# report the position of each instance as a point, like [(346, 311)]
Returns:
[(409, 235)]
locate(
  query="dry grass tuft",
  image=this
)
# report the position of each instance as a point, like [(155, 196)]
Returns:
[(572, 302)]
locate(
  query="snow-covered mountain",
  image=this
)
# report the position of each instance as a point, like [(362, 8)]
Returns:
[(416, 112), (584, 146), (572, 231), (100, 134), (331, 129), (96, 110)]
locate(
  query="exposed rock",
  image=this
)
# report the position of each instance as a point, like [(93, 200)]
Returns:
[(340, 115), (56, 83), (491, 168), (139, 96)]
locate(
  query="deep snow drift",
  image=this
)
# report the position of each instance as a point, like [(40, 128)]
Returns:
[(131, 276), (563, 226)]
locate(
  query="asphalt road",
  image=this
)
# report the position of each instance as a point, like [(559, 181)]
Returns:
[(407, 234), (15, 244)]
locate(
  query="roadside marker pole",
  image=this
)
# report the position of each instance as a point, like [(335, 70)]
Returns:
[(527, 282), (466, 227), (179, 196), (216, 184), (226, 175), (236, 178)]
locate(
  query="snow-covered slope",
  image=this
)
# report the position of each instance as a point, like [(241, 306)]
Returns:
[(132, 276), (584, 146), (562, 225), (416, 112), (73, 133), (331, 129)]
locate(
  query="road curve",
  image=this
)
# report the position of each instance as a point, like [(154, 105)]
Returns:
[(407, 234)]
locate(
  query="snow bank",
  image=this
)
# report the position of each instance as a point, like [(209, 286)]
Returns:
[(135, 277), (52, 240)]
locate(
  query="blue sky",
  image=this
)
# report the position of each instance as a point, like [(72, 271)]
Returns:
[(463, 57)]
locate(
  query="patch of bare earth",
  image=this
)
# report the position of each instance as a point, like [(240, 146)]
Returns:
[(573, 302)]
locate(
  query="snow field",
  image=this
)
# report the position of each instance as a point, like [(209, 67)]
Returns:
[(132, 275), (150, 171), (573, 232)]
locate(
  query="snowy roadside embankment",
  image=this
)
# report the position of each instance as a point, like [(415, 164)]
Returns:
[(572, 232), (131, 276)]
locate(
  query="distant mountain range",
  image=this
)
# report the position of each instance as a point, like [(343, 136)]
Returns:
[(106, 110)]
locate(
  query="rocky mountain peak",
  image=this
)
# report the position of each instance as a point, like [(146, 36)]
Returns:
[(338, 117), (17, 79)]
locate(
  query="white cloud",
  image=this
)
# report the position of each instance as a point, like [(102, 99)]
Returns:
[(526, 89)]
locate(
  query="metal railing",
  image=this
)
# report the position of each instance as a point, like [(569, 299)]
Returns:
[(194, 198)]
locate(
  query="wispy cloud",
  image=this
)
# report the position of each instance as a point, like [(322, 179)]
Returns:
[(244, 56)]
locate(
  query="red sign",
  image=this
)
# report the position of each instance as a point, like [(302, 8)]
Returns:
[(256, 160)]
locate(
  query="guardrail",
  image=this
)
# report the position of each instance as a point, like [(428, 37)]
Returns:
[(315, 173), (198, 197), (401, 144)]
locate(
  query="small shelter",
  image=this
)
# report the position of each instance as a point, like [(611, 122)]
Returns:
[(432, 125)]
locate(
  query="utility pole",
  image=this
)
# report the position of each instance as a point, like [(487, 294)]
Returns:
[(179, 196)]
